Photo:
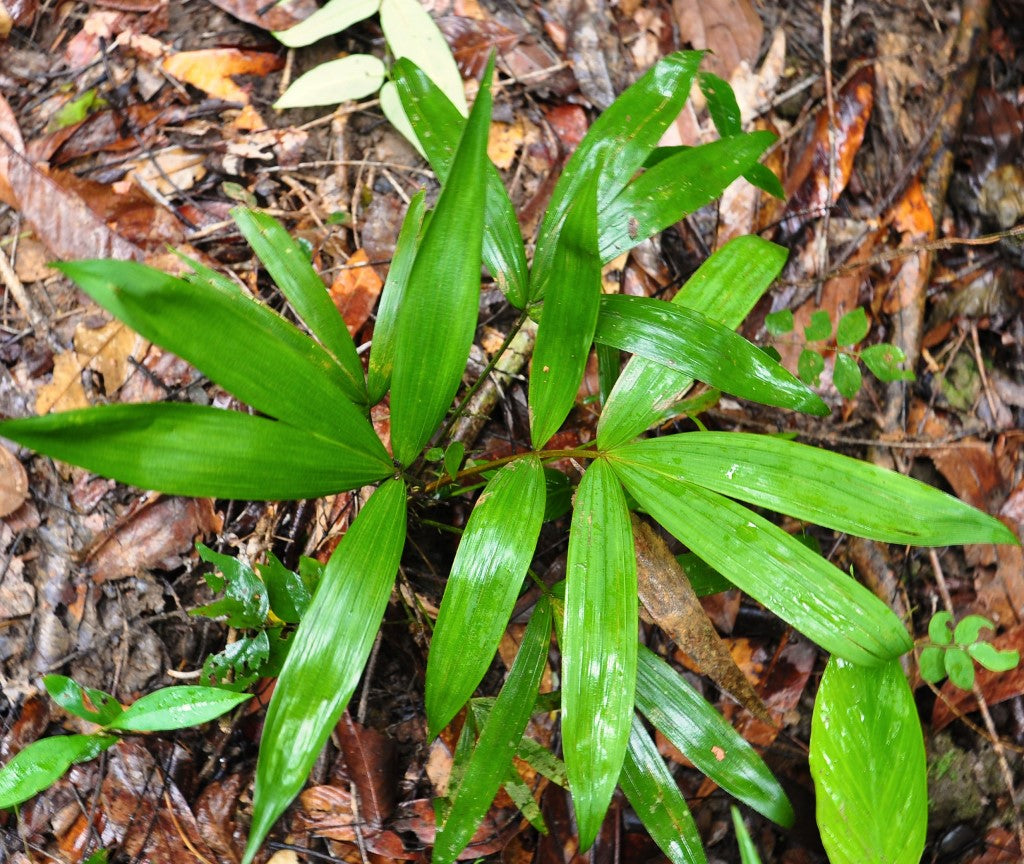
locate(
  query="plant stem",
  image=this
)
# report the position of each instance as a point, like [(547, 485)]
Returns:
[(586, 452)]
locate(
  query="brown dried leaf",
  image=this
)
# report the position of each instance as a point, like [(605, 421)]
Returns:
[(278, 17), (807, 186), (370, 757), (13, 482), (731, 29), (33, 718), (64, 392), (210, 69), (355, 291), (216, 817), (155, 536), (472, 41), (667, 595), (503, 142)]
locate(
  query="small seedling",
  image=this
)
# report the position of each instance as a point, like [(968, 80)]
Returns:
[(954, 651)]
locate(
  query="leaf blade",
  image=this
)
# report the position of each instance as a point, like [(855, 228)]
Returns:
[(185, 449), (176, 708), (42, 763)]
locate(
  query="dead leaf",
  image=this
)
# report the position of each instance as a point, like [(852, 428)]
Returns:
[(666, 593), (472, 41), (355, 291), (64, 392), (215, 817), (210, 69), (13, 482), (503, 142), (279, 16), (107, 351), (169, 172), (32, 263), (10, 140), (730, 29), (155, 536), (370, 757)]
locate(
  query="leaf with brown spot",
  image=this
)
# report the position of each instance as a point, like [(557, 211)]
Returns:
[(668, 596)]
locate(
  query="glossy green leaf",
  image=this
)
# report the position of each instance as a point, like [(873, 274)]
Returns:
[(242, 345), (245, 602), (692, 343), (884, 362), (819, 327), (703, 735), (353, 77), (959, 668), (614, 148), (818, 486), (846, 376), (327, 655), (748, 852), (239, 662), (287, 592), (852, 327), (725, 288), (491, 760), (42, 763), (868, 763), (932, 663), (658, 198), (992, 658), (289, 267), (438, 125), (176, 708), (559, 494), (566, 329), (185, 449), (654, 795), (96, 706), (486, 577), (382, 349), (809, 366), (435, 328), (598, 646), (333, 17), (969, 628), (798, 585), (939, 628)]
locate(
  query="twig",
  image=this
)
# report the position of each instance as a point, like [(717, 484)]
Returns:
[(830, 108), (17, 290)]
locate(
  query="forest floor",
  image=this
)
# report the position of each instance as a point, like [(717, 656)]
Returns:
[(108, 147)]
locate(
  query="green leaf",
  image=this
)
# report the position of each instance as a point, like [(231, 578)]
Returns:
[(846, 376), (566, 329), (487, 574), (241, 344), (959, 668), (809, 367), (779, 323), (42, 763), (411, 33), (725, 288), (185, 449), (598, 646), (382, 348), (764, 178), (685, 340), (332, 17), (939, 629), (774, 568), (435, 328), (722, 105), (327, 655), (245, 602), (176, 708), (992, 658), (491, 760), (884, 362), (287, 591), (852, 327), (334, 81), (969, 629), (77, 110), (614, 148), (658, 198), (559, 490), (932, 663), (703, 735), (438, 125), (656, 798), (522, 797), (868, 763), (820, 326), (243, 658), (96, 706), (748, 852), (453, 457), (292, 272), (815, 485)]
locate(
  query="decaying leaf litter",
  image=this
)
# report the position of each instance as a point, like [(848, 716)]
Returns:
[(97, 580)]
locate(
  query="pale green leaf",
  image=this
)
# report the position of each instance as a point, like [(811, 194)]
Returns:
[(939, 628), (333, 17), (598, 646), (335, 81), (969, 628), (992, 658), (327, 655), (959, 668), (818, 486), (868, 763), (932, 663), (486, 577)]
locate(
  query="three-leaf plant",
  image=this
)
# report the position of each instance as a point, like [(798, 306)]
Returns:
[(312, 436)]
